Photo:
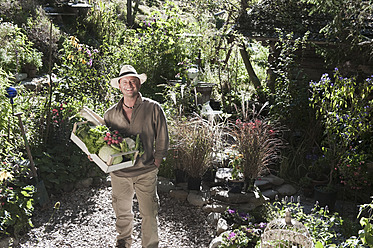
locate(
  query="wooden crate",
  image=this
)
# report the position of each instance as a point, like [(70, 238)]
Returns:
[(105, 166)]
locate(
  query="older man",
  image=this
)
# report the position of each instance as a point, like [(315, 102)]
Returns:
[(132, 115)]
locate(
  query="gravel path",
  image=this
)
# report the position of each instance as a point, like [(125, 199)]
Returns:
[(85, 218)]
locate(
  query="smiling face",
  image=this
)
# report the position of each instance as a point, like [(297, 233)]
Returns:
[(129, 86)]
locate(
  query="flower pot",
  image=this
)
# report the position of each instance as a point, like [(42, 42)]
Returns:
[(194, 183), (235, 186), (325, 196), (317, 179), (180, 176), (209, 175)]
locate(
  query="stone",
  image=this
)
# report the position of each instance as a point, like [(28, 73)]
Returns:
[(286, 190), (234, 198), (84, 183), (216, 242), (165, 185), (196, 200), (214, 207), (212, 218), (273, 179), (222, 174), (222, 226), (9, 242), (67, 188), (107, 181), (180, 195), (270, 193), (262, 184), (215, 190)]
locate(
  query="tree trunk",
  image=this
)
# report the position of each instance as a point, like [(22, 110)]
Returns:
[(249, 68), (129, 13)]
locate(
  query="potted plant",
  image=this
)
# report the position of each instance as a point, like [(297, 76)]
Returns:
[(326, 195), (259, 141), (235, 181), (195, 140)]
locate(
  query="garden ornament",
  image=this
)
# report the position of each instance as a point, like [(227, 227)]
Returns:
[(11, 92), (127, 71)]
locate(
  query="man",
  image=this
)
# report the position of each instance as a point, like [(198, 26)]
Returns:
[(133, 115)]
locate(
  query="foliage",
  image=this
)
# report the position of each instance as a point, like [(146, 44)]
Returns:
[(366, 234), (347, 27), (62, 165), (235, 161), (82, 74), (323, 226), (16, 201), (195, 140), (353, 172), (16, 49), (259, 141), (344, 108), (243, 231), (179, 100)]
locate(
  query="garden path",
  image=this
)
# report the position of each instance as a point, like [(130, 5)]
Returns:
[(86, 219)]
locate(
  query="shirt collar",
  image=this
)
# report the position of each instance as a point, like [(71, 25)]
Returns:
[(137, 103)]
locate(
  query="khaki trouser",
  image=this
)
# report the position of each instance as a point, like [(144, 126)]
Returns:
[(123, 190)]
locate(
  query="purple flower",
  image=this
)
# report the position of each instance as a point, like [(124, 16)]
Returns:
[(262, 225), (89, 52), (90, 62), (231, 211), (232, 235)]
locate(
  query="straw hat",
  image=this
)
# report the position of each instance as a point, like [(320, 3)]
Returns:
[(127, 71)]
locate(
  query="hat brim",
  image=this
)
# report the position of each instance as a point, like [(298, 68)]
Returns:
[(115, 81)]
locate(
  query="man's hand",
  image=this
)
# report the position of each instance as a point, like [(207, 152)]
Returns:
[(157, 162)]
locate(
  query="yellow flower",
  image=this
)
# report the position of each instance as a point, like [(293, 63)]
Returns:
[(4, 175)]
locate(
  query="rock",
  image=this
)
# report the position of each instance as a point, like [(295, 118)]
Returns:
[(107, 181), (222, 226), (270, 193), (196, 200), (214, 207), (180, 195), (234, 198), (273, 179), (165, 185), (262, 184), (216, 242), (286, 190), (66, 188), (84, 183), (222, 174), (215, 190), (213, 218)]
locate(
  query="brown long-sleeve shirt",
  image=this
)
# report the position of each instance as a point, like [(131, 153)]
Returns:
[(148, 120)]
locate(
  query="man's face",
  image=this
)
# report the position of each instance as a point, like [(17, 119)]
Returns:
[(129, 86)]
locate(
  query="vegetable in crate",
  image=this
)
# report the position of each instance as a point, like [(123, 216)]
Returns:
[(101, 141), (92, 136)]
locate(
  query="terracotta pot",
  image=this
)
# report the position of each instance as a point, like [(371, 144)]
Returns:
[(325, 197), (317, 180), (235, 186), (180, 176), (194, 183)]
